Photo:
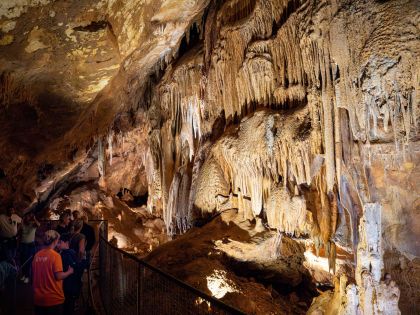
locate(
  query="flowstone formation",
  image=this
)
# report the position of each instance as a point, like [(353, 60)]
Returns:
[(298, 116)]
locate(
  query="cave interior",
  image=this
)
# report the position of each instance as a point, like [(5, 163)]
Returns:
[(263, 151)]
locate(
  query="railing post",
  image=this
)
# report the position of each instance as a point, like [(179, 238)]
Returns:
[(138, 288), (106, 230)]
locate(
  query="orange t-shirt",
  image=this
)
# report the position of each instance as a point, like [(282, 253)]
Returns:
[(47, 290)]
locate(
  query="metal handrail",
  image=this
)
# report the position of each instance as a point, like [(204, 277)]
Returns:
[(199, 293), (103, 235)]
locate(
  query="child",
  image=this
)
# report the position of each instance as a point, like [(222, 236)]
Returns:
[(73, 284), (48, 276)]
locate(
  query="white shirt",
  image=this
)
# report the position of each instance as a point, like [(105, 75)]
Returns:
[(8, 225), (28, 233)]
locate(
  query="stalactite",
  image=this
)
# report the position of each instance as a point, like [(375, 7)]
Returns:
[(258, 160), (171, 207), (288, 214), (110, 139), (101, 158), (277, 60), (176, 212), (277, 243), (332, 255)]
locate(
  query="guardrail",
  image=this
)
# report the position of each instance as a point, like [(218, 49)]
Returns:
[(129, 285)]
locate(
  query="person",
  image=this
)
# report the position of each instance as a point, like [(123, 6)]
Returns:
[(48, 276), (7, 285), (8, 230), (89, 232), (27, 244), (64, 224), (78, 241), (74, 216), (72, 285)]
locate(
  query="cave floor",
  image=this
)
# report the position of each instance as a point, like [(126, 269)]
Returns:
[(237, 262)]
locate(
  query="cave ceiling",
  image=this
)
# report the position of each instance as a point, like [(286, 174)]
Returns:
[(66, 63)]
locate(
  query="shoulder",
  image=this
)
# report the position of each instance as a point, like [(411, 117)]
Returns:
[(46, 254), (40, 253), (68, 252), (54, 254)]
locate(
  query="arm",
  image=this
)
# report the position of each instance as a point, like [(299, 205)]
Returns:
[(36, 223), (82, 247), (61, 275)]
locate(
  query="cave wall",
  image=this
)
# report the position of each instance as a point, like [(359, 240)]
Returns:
[(355, 73), (298, 113), (360, 87)]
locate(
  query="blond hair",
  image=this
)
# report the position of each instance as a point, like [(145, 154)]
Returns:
[(51, 236)]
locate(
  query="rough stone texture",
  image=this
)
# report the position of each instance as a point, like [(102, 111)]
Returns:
[(296, 113), (244, 260), (371, 295)]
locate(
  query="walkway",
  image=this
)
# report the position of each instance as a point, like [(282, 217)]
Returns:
[(123, 284), (24, 300)]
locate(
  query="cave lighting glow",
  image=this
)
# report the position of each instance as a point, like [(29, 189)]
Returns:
[(219, 285)]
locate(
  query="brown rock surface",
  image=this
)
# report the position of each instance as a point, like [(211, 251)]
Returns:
[(300, 115)]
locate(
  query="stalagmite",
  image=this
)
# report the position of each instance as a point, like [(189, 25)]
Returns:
[(375, 296)]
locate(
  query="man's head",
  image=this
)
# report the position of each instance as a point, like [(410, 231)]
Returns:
[(77, 225), (64, 242), (76, 215), (85, 219), (65, 218), (51, 238)]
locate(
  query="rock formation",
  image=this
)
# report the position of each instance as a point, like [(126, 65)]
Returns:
[(300, 115)]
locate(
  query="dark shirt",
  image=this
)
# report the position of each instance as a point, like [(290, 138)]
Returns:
[(62, 230), (73, 283), (75, 242), (89, 232)]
